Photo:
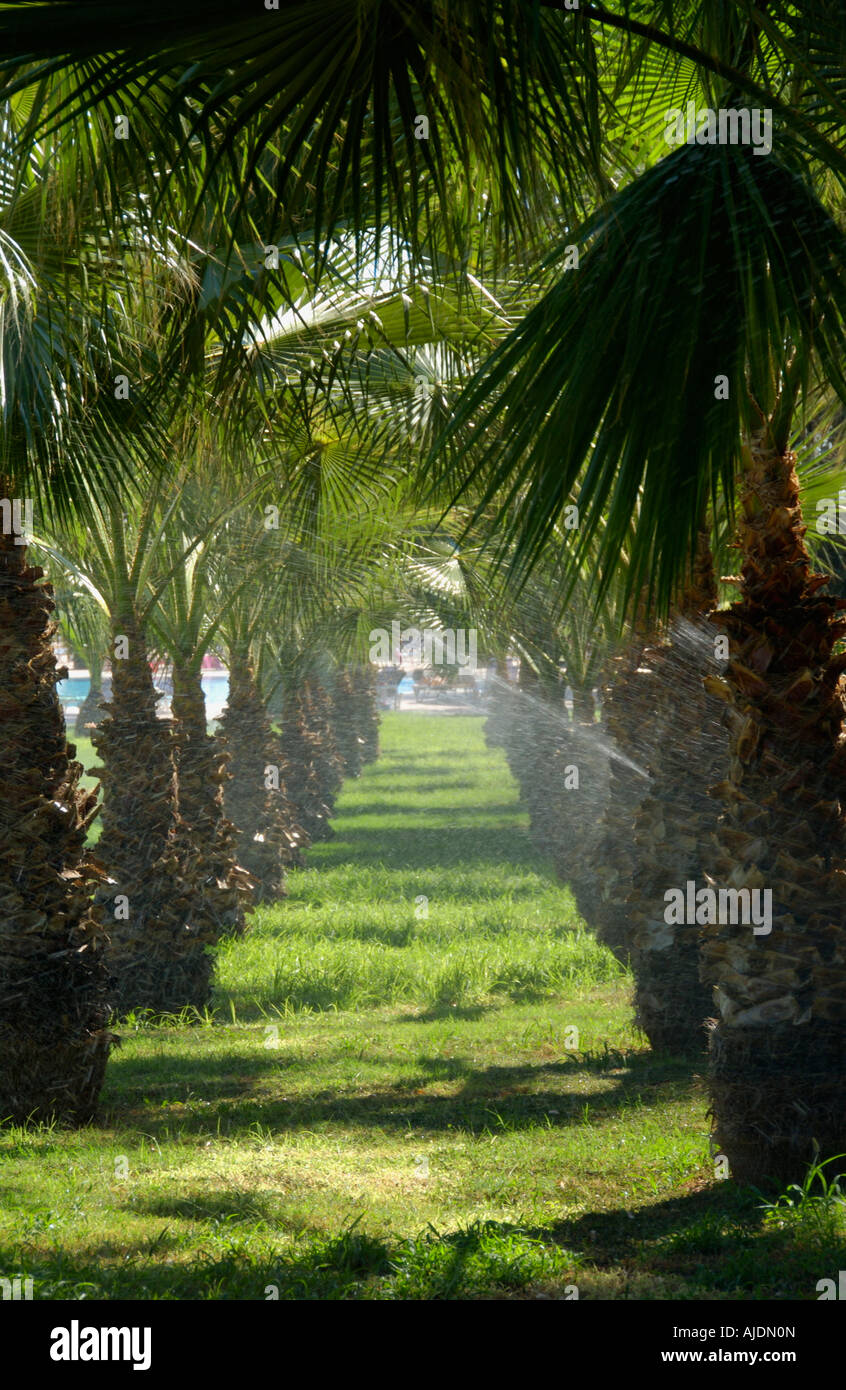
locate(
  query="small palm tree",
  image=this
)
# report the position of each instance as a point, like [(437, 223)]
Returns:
[(185, 622)]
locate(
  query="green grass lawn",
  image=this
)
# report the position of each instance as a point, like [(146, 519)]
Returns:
[(419, 1080)]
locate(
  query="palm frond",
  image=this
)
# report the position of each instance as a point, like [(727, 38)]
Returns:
[(631, 383)]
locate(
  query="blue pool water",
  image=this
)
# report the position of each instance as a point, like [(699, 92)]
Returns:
[(215, 688), (74, 689)]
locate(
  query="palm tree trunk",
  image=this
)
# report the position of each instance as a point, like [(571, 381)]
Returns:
[(269, 838), (347, 725), (581, 754), (536, 742), (500, 706), (675, 822), (320, 715), (519, 735), (54, 1010), (89, 711), (564, 782), (778, 1046), (367, 711), (158, 944), (205, 838), (313, 769), (602, 897)]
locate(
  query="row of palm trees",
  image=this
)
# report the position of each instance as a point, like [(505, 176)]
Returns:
[(261, 543), (646, 813), (663, 370)]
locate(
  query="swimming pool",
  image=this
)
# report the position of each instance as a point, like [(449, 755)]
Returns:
[(74, 689)]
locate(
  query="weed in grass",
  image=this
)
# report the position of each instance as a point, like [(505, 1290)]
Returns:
[(819, 1202)]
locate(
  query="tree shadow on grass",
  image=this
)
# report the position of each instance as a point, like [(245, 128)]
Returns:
[(440, 1013), (717, 1238), (414, 809), (491, 1099), (231, 1206), (351, 1264), (131, 1082), (618, 1233), (425, 846), (708, 1242)]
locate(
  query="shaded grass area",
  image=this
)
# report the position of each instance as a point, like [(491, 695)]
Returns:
[(397, 1103)]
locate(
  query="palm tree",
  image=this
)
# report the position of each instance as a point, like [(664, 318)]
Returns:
[(185, 622), (356, 718), (71, 295), (53, 1038), (162, 914), (672, 367), (627, 705), (269, 837)]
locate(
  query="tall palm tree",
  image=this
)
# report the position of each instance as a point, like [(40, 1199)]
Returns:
[(70, 302), (712, 289), (313, 768), (269, 837)]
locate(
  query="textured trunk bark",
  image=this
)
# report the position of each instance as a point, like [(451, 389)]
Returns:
[(313, 766), (583, 804), (367, 712), (158, 942), (320, 715), (778, 1047), (269, 838), (205, 838), (675, 822), (54, 1010), (629, 695), (90, 713), (535, 742), (347, 725)]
